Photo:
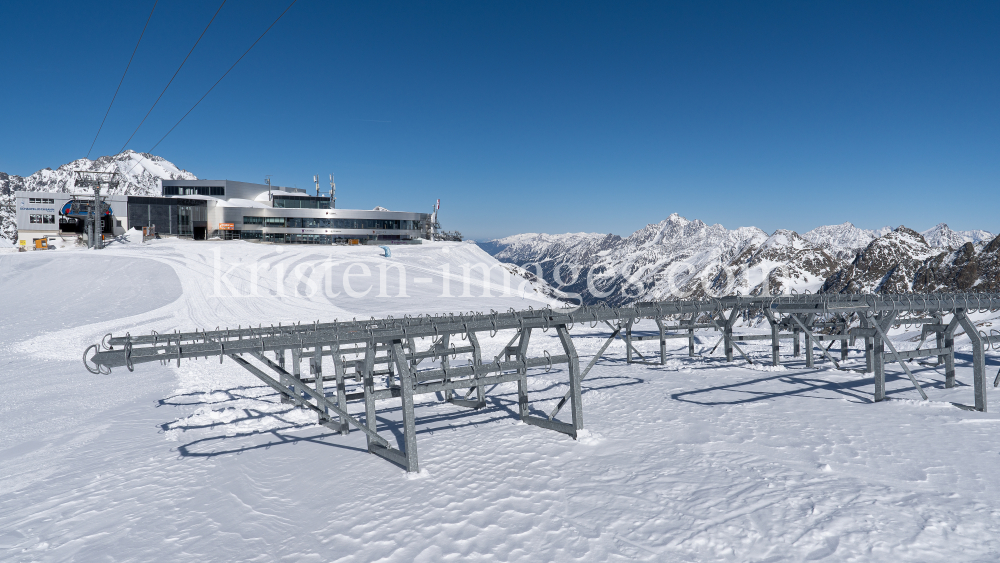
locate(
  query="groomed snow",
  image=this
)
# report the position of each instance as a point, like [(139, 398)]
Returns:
[(696, 460)]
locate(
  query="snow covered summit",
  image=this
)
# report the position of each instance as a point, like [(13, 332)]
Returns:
[(139, 174)]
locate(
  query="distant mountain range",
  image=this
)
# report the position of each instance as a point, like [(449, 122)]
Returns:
[(139, 173), (678, 258), (675, 258)]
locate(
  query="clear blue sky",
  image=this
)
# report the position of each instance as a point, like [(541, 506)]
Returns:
[(539, 117)]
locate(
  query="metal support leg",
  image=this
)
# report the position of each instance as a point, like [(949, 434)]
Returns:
[(775, 343), (338, 368), (443, 345), (809, 348), (297, 372), (795, 343), (316, 370), (691, 338), (727, 334), (939, 342), (477, 360), (575, 389), (663, 342), (949, 358), (593, 362), (409, 420), (522, 381), (279, 355), (369, 388), (628, 342), (978, 359), (878, 363)]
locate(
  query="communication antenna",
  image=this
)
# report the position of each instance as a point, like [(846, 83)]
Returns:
[(267, 180), (333, 193), (316, 180), (434, 217)]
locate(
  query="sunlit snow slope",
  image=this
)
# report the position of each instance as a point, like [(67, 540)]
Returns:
[(696, 460)]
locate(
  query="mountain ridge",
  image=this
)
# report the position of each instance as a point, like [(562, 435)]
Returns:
[(682, 258), (139, 174)]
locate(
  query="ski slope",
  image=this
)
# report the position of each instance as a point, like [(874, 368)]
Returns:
[(696, 460)]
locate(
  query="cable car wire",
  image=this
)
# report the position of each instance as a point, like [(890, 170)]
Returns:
[(173, 77), (217, 82), (123, 78)]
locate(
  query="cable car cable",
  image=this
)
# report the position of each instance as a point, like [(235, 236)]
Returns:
[(123, 78)]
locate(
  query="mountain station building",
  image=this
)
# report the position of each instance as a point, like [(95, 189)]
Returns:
[(202, 209)]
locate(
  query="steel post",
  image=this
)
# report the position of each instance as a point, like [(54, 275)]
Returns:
[(409, 420), (522, 381), (949, 358), (628, 341), (369, 389), (338, 369), (575, 388), (978, 359)]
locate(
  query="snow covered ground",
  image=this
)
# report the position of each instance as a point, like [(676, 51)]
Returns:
[(696, 460)]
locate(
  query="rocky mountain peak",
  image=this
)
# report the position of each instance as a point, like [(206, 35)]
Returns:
[(139, 175)]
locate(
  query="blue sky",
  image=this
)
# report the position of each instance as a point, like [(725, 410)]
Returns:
[(539, 117)]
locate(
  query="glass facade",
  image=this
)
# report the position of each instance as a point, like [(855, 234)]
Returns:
[(328, 223), (301, 202), (194, 190)]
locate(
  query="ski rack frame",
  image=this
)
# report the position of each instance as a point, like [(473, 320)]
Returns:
[(358, 349)]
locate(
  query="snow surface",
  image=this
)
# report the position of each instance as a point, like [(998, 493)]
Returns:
[(696, 460)]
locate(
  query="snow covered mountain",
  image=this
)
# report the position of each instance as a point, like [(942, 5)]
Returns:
[(139, 174), (886, 265), (673, 258), (844, 240), (678, 258), (973, 267), (940, 236)]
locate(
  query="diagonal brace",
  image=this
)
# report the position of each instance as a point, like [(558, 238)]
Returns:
[(809, 336), (593, 361), (878, 327), (320, 399)]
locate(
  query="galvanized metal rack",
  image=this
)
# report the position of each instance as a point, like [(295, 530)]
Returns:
[(379, 358)]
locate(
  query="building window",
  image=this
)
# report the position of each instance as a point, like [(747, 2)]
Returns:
[(42, 219), (41, 200), (252, 235), (301, 202), (274, 221), (253, 220), (194, 190)]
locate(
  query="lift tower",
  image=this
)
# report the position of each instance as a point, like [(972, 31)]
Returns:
[(94, 226)]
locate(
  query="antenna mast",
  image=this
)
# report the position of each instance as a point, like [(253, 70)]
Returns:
[(333, 193), (316, 180)]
